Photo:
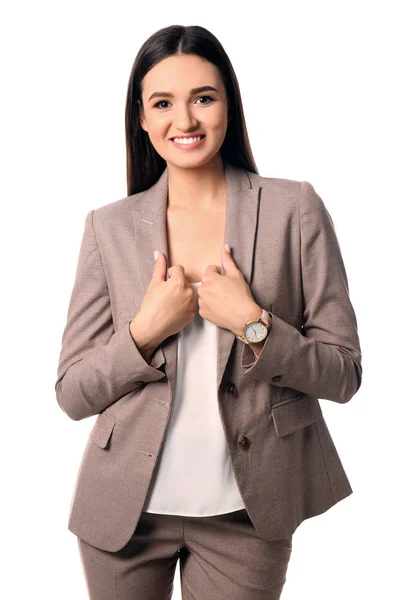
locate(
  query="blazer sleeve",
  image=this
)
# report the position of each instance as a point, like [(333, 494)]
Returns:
[(97, 365), (323, 360)]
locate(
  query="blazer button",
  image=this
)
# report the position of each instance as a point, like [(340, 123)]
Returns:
[(231, 388), (243, 442), (276, 377)]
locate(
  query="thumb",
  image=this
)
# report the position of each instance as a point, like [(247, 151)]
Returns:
[(159, 266), (227, 260)]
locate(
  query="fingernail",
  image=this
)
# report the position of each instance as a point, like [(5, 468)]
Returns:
[(155, 254), (227, 247)]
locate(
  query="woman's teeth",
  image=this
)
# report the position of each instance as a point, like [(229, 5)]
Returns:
[(187, 140)]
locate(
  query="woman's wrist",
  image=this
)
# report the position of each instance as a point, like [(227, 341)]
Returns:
[(145, 345)]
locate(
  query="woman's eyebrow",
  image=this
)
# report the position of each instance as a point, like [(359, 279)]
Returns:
[(204, 88)]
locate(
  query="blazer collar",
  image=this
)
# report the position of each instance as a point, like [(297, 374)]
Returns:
[(242, 189)]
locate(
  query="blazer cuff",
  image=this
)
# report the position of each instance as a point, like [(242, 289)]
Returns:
[(104, 375), (291, 360)]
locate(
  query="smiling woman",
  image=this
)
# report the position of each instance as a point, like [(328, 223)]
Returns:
[(186, 127), (204, 367)]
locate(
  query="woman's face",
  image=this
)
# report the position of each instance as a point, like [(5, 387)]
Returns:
[(178, 111)]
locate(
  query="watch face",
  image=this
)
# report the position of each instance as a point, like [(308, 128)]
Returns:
[(255, 332)]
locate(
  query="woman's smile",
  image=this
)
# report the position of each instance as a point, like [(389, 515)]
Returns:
[(194, 142)]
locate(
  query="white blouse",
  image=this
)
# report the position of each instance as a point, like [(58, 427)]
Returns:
[(194, 475)]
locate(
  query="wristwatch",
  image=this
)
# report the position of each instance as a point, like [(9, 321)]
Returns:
[(255, 331)]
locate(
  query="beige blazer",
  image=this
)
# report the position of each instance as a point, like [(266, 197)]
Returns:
[(287, 468)]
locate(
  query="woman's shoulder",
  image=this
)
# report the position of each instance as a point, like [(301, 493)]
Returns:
[(118, 209), (302, 192)]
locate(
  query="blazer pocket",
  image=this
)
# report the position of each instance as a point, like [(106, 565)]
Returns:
[(285, 393), (288, 395), (102, 429), (295, 413)]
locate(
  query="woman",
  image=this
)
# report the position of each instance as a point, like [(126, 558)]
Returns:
[(205, 367)]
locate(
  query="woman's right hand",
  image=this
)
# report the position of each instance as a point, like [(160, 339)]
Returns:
[(168, 305)]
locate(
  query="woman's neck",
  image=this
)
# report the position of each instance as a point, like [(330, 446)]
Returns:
[(199, 189)]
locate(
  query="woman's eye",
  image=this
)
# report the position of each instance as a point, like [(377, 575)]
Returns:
[(209, 97), (156, 105), (161, 101)]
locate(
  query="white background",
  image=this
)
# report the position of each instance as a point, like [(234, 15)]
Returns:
[(319, 88)]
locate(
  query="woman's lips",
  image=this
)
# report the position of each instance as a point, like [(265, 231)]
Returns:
[(189, 146)]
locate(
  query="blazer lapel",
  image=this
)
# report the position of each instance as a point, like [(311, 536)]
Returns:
[(240, 228)]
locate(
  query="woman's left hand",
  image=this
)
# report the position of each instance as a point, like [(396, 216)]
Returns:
[(226, 300)]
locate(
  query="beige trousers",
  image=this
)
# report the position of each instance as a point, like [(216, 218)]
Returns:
[(221, 557)]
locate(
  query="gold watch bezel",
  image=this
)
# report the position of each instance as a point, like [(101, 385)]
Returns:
[(259, 320)]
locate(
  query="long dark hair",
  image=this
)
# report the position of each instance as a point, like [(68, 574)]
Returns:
[(144, 164)]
